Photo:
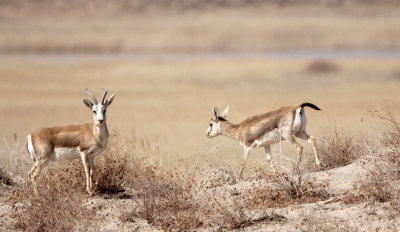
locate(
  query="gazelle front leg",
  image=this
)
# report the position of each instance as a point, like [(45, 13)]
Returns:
[(91, 166), (246, 152), (85, 162), (268, 151), (299, 148)]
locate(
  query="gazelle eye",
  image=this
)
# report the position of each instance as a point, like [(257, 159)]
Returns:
[(94, 111), (211, 124)]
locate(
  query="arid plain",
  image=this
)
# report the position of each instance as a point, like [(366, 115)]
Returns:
[(169, 64)]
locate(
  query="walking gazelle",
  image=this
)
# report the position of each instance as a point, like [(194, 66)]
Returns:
[(84, 141), (287, 122)]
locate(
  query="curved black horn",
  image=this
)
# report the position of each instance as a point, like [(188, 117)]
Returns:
[(104, 96), (91, 95)]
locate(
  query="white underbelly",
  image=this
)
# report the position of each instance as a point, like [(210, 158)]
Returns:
[(66, 153), (269, 138)]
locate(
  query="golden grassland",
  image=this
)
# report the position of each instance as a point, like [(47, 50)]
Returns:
[(170, 102)]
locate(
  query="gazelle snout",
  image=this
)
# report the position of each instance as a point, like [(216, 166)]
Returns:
[(100, 117)]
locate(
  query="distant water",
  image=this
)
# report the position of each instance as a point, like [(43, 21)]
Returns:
[(302, 54)]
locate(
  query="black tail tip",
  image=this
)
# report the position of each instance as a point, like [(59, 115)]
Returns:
[(310, 105)]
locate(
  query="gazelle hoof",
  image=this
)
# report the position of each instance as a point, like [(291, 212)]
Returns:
[(90, 193)]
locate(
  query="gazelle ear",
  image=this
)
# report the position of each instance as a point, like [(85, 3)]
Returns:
[(215, 112), (88, 103), (109, 100), (225, 112)]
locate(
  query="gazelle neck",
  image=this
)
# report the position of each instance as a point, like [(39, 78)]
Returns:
[(230, 129), (101, 133)]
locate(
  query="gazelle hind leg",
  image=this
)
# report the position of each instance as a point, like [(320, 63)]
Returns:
[(268, 153), (32, 175), (291, 138), (311, 140), (39, 165)]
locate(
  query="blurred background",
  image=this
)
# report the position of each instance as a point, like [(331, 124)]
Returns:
[(170, 61)]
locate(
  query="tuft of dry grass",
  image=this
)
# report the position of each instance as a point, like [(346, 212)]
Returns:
[(114, 168), (381, 183), (337, 149), (233, 216), (286, 189), (317, 223), (58, 207), (164, 199), (5, 178)]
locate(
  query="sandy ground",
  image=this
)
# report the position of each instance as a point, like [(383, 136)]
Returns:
[(328, 215)]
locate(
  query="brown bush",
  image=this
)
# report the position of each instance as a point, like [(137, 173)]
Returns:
[(233, 216), (321, 66), (286, 189), (114, 168), (382, 181), (321, 223), (5, 178), (336, 149), (58, 207), (164, 199)]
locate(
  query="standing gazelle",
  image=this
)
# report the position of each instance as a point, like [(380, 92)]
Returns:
[(84, 141), (266, 129)]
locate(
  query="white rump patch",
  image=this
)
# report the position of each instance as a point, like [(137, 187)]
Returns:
[(66, 153), (30, 147), (297, 120)]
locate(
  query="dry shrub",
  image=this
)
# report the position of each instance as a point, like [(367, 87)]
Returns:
[(321, 66), (321, 223), (217, 177), (58, 207), (165, 199), (234, 217), (336, 149), (14, 159), (382, 181), (5, 178), (287, 188), (114, 168), (377, 185)]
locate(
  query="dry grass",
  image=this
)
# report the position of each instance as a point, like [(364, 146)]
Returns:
[(5, 178), (381, 183), (233, 216), (165, 200), (337, 148), (113, 169), (317, 223), (59, 204), (289, 188)]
